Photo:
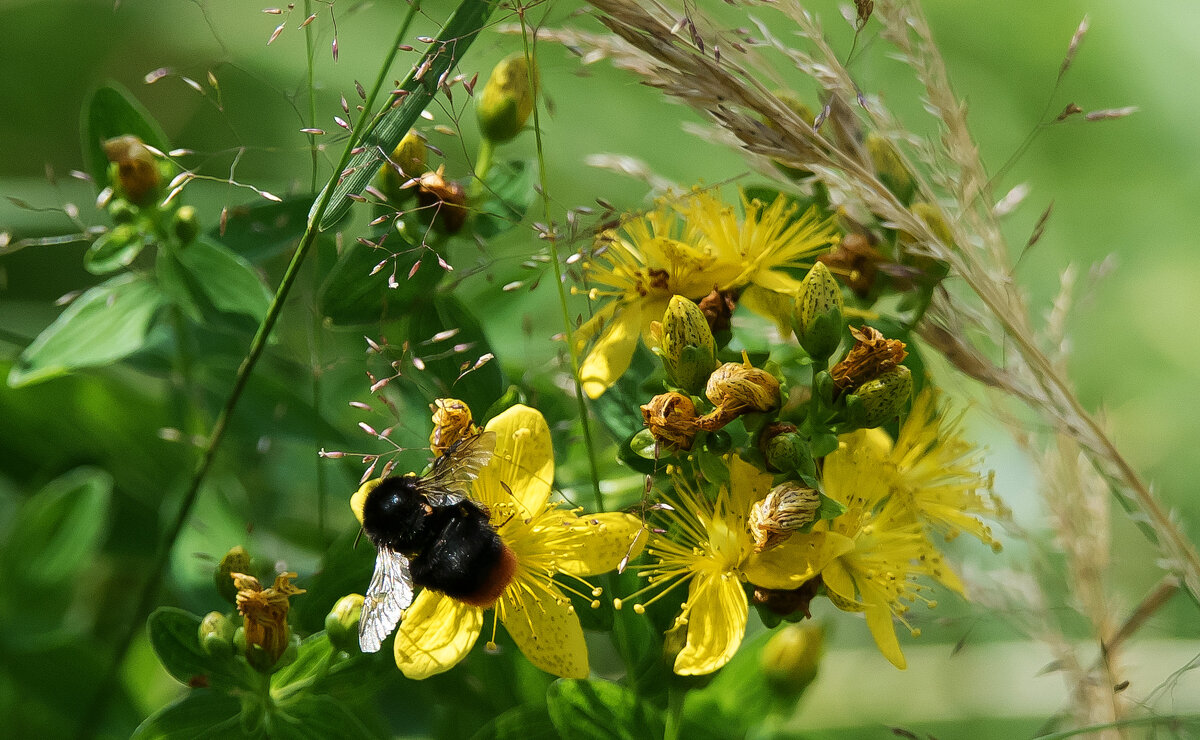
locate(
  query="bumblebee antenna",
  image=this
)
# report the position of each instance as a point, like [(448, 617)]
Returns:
[(357, 537)]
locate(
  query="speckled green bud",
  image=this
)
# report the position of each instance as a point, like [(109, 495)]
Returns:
[(791, 657), (890, 168), (787, 452), (882, 398), (689, 352), (341, 623), (216, 635), (408, 161), (237, 560), (507, 99), (818, 317)]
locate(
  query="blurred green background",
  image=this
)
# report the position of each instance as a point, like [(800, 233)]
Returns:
[(1122, 190)]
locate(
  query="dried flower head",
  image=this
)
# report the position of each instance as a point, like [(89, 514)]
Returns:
[(446, 198), (737, 388), (872, 356), (264, 612), (137, 169), (671, 418), (788, 507)]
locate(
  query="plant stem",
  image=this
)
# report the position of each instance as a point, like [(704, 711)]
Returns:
[(95, 712), (309, 56)]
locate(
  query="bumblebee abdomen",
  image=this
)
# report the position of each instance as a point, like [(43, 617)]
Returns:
[(467, 561)]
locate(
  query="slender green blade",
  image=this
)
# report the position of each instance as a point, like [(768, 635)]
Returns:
[(421, 85)]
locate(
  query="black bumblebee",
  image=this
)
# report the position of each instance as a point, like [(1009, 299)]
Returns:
[(430, 533)]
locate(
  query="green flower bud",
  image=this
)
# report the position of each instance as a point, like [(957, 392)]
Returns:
[(184, 225), (882, 398), (216, 635), (791, 657), (341, 623), (818, 318), (890, 168), (689, 352), (787, 452), (507, 99), (236, 560), (408, 162), (121, 211)]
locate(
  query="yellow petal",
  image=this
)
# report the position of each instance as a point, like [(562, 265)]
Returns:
[(716, 623), (748, 485), (771, 305), (436, 633), (798, 559), (360, 497), (839, 585), (879, 621), (612, 352), (523, 461), (545, 628), (596, 543)]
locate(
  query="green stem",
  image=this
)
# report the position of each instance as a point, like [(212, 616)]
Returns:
[(149, 590), (483, 165), (310, 56), (675, 697), (552, 241)]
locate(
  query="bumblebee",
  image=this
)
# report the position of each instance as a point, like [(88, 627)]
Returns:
[(428, 532)]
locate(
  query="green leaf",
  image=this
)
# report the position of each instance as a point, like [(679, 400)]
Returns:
[(315, 650), (519, 723), (445, 357), (173, 635), (582, 708), (112, 111), (58, 530), (114, 250), (199, 714), (105, 324), (510, 192), (379, 140), (263, 229), (829, 508), (352, 296), (318, 716), (226, 279)]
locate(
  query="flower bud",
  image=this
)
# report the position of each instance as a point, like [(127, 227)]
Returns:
[(882, 398), (818, 317), (407, 163), (738, 388), (872, 356), (689, 352), (445, 200), (216, 635), (890, 168), (341, 623), (451, 422), (791, 657), (671, 418), (507, 99), (122, 211), (787, 451), (184, 225), (786, 509), (237, 560), (137, 174)]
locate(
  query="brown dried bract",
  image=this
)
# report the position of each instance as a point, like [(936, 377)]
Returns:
[(671, 418), (717, 307), (265, 611), (872, 356)]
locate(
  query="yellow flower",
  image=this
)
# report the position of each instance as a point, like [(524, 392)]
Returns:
[(877, 575), (707, 544), (641, 266), (767, 241), (936, 473), (437, 631)]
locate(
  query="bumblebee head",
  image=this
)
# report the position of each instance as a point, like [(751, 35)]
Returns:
[(393, 511)]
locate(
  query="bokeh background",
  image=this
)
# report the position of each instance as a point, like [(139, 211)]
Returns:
[(1124, 193)]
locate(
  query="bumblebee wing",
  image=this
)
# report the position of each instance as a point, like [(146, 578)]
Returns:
[(390, 593), (449, 480)]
